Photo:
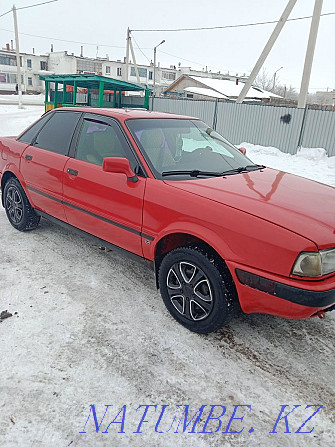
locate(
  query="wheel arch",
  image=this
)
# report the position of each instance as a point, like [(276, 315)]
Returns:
[(175, 240), (5, 177)]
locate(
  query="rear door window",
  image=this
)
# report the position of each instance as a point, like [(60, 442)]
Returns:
[(31, 133), (56, 135)]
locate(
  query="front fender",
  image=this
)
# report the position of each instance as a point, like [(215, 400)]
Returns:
[(235, 235)]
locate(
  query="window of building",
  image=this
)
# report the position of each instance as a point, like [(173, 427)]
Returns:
[(119, 71), (29, 63), (108, 69), (44, 65), (88, 65), (142, 72), (30, 81), (8, 60), (169, 75), (189, 95), (150, 75), (8, 78), (57, 133)]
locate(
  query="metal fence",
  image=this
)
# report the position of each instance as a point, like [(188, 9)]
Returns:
[(281, 127)]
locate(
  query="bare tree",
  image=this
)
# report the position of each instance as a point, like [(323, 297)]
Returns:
[(272, 84), (265, 81)]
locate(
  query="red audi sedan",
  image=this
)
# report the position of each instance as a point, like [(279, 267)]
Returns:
[(221, 232)]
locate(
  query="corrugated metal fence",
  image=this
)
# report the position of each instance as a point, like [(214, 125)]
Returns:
[(281, 127)]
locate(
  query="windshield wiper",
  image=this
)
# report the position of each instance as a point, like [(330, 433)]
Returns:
[(242, 169), (193, 173), (197, 172)]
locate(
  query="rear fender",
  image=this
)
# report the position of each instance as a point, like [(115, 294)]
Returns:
[(11, 170)]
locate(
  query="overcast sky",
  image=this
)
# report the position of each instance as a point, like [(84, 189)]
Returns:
[(104, 23)]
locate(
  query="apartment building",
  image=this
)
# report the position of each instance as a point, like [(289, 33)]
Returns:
[(32, 66), (62, 62)]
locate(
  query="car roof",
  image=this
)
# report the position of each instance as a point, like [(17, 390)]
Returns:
[(125, 114)]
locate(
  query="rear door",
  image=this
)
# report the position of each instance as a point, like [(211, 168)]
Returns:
[(42, 163), (104, 204)]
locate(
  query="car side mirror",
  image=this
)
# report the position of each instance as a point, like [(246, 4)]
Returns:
[(243, 150), (119, 165)]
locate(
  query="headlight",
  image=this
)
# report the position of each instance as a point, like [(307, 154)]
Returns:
[(315, 264)]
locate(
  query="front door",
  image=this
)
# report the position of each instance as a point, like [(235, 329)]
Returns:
[(104, 204)]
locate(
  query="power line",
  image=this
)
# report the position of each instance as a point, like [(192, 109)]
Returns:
[(6, 13), (36, 4), (227, 26), (63, 40), (141, 49), (30, 6), (187, 60)]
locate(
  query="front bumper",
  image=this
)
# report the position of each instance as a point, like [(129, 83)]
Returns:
[(260, 292)]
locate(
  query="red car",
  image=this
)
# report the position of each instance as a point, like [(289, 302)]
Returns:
[(222, 232)]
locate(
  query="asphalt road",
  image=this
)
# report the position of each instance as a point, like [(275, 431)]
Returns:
[(90, 328)]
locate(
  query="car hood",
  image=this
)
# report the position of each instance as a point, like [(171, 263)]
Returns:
[(298, 204)]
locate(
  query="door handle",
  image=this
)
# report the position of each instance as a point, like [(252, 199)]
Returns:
[(72, 172), (28, 157)]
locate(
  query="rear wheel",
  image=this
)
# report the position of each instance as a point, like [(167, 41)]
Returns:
[(18, 209), (198, 294)]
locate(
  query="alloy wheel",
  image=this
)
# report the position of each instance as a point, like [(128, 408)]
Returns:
[(14, 204), (190, 291)]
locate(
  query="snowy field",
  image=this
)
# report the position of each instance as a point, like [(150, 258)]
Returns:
[(89, 327), (26, 99)]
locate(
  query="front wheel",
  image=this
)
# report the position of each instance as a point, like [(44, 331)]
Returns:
[(196, 292), (18, 209)]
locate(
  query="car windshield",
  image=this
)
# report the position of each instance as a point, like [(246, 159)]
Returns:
[(184, 148)]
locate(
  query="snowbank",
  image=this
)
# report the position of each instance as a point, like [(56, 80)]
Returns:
[(26, 99), (312, 163), (14, 120)]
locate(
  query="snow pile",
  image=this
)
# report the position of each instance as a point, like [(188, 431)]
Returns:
[(14, 120), (312, 163), (26, 99)]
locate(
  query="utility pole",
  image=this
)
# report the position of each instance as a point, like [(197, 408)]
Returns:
[(127, 55), (134, 60), (309, 54), (155, 51), (18, 61), (130, 46), (266, 51)]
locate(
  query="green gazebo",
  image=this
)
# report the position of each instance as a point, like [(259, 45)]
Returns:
[(71, 90)]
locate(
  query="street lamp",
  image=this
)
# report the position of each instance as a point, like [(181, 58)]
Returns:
[(274, 78), (155, 49)]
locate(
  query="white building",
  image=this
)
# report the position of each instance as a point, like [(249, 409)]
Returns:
[(326, 98), (32, 66)]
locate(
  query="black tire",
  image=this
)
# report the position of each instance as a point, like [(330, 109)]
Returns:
[(198, 293), (18, 209)]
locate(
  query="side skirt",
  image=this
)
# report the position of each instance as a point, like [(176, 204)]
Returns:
[(95, 239)]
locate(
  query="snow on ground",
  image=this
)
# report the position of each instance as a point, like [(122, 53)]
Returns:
[(14, 120), (312, 163), (89, 327), (26, 99)]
